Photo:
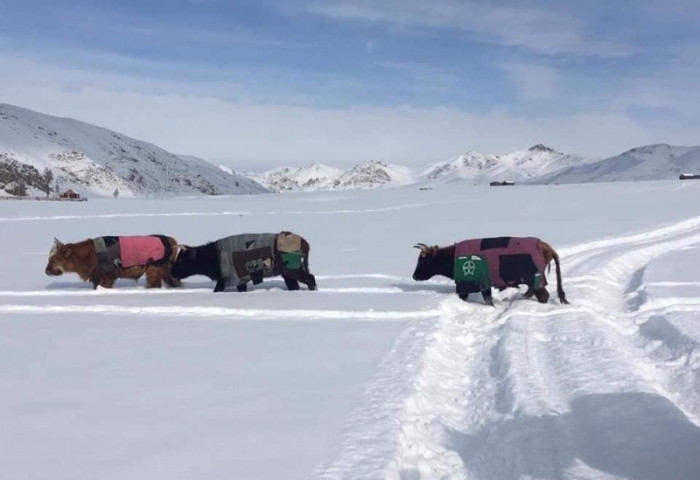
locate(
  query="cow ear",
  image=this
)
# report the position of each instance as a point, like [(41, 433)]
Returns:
[(66, 252)]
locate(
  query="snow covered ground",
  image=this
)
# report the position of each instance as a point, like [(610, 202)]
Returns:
[(374, 376)]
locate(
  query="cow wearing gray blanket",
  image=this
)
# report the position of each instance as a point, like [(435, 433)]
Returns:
[(236, 260)]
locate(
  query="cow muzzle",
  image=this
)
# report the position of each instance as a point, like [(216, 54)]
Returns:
[(55, 272)]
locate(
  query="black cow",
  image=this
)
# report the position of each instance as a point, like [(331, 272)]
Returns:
[(239, 259)]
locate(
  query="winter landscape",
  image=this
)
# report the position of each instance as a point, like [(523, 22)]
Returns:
[(132, 132), (373, 375)]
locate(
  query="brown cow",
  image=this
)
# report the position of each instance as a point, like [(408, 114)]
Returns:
[(82, 258)]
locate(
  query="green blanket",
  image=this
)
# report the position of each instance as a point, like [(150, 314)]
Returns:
[(472, 268)]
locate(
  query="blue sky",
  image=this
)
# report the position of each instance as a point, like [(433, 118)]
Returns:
[(339, 81)]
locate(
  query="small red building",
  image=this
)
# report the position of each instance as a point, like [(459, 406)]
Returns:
[(70, 193)]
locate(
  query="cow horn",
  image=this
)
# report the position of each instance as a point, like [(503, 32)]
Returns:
[(178, 249), (57, 241), (420, 246)]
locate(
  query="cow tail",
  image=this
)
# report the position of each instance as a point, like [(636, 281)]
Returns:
[(305, 247), (560, 288)]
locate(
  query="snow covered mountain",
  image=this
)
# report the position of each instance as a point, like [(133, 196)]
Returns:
[(314, 177), (651, 162), (97, 161), (481, 168), (374, 174), (474, 167), (322, 177)]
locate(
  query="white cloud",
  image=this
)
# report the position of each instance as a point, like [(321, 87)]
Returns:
[(212, 127), (543, 32), (673, 87), (422, 78), (216, 118), (534, 82)]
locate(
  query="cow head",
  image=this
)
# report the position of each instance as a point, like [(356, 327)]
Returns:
[(432, 261), (61, 259), (185, 263)]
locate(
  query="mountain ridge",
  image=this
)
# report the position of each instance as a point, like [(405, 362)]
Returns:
[(94, 160)]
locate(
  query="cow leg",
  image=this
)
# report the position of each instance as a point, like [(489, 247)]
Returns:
[(174, 282), (220, 285), (106, 282), (171, 281), (292, 284), (530, 292), (488, 298), (154, 278), (299, 276), (542, 295), (243, 287), (308, 279), (463, 296)]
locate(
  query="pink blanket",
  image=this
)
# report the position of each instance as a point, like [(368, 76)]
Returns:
[(140, 250), (508, 258)]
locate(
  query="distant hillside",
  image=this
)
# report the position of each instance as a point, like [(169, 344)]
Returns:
[(651, 162), (322, 177), (537, 165), (472, 167), (479, 168), (96, 161)]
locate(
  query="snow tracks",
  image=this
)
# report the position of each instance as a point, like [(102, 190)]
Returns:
[(603, 388)]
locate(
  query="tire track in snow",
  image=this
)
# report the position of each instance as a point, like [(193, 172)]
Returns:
[(211, 214), (546, 362), (482, 368), (140, 291), (203, 311)]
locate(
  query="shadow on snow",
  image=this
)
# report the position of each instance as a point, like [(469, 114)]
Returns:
[(638, 436)]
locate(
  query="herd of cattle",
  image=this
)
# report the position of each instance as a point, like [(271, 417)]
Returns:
[(476, 265)]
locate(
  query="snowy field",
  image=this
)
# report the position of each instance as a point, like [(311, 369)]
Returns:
[(374, 376)]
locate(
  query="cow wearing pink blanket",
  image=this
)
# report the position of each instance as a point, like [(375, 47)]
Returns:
[(101, 260), (143, 250), (478, 264)]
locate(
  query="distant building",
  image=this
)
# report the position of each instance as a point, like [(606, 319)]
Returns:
[(71, 194), (504, 183), (689, 176)]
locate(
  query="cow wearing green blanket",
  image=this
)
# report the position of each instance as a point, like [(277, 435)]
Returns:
[(238, 260), (478, 264)]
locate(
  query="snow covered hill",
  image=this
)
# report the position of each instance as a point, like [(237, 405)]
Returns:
[(314, 177), (537, 165), (651, 162), (97, 161), (481, 168), (322, 177), (374, 174), (473, 167)]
